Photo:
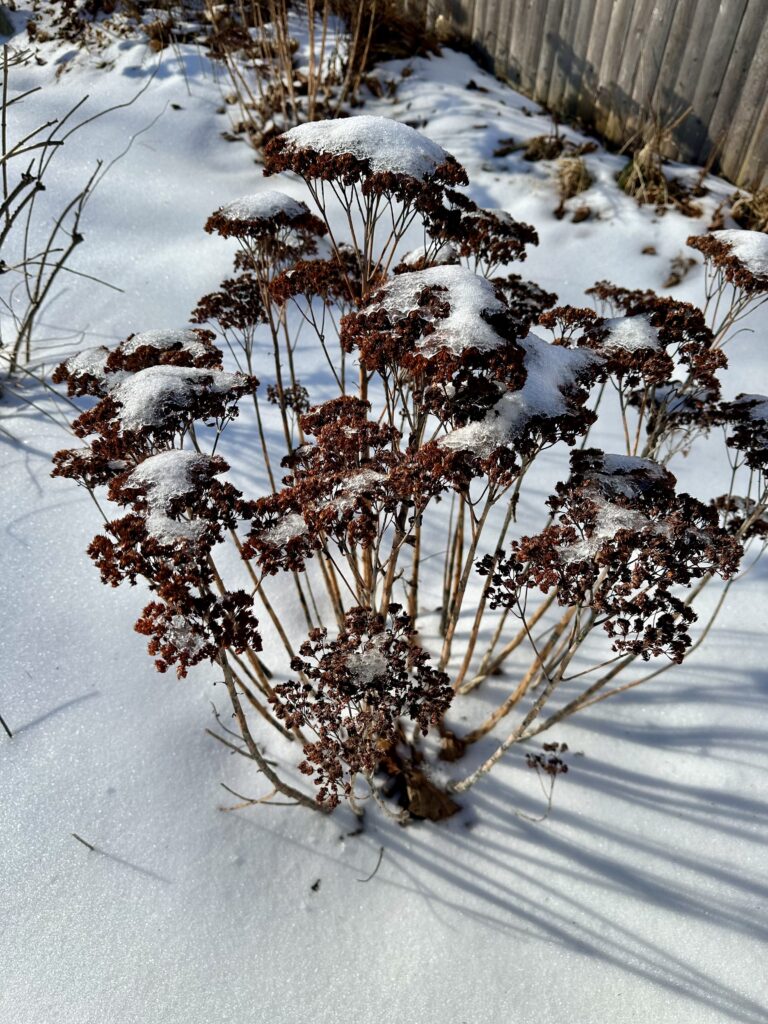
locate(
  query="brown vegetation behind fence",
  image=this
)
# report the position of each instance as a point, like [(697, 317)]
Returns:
[(616, 63)]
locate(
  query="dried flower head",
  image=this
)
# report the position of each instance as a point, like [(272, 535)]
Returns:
[(143, 412), (95, 371), (622, 541), (197, 628), (339, 488), (547, 407), (179, 510), (263, 216), (236, 306), (382, 156), (549, 762), (741, 256), (487, 239), (436, 254), (294, 397), (744, 518), (747, 415), (655, 337), (334, 280), (352, 690), (526, 301), (423, 313)]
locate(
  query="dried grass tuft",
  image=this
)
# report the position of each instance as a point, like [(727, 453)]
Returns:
[(750, 211)]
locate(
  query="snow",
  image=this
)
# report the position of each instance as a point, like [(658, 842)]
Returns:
[(92, 361), (445, 253), (468, 295), (149, 397), (749, 247), (642, 896), (631, 333), (185, 339), (386, 144), (622, 476), (165, 478), (609, 519), (89, 362), (549, 369), (263, 206), (757, 406), (290, 527), (617, 475), (371, 663)]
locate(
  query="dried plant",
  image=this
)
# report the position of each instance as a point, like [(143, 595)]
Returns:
[(572, 179), (278, 80), (453, 401), (750, 210), (37, 244), (736, 277)]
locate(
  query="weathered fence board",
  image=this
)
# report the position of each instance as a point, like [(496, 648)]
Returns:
[(621, 65)]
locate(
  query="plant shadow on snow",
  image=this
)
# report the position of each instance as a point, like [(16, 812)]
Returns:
[(577, 881), (137, 868), (187, 65), (18, 730)]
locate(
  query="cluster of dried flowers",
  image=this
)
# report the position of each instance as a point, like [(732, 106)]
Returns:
[(440, 392), (352, 691)]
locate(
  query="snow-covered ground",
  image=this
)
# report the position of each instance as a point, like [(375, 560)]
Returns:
[(643, 897)]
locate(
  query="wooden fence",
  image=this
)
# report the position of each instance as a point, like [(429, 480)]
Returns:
[(614, 64)]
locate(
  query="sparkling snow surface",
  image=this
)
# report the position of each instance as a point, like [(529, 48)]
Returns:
[(388, 145), (751, 247), (289, 528), (609, 520), (643, 895)]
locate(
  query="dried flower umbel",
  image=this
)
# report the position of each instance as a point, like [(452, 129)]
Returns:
[(353, 691), (736, 277), (390, 486)]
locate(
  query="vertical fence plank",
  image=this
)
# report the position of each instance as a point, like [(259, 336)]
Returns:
[(686, 69), (624, 115), (652, 47), (753, 166), (586, 99), (516, 41), (532, 43), (548, 49), (746, 114), (678, 38), (491, 26), (734, 77), (576, 70), (564, 63), (694, 138), (613, 54)]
